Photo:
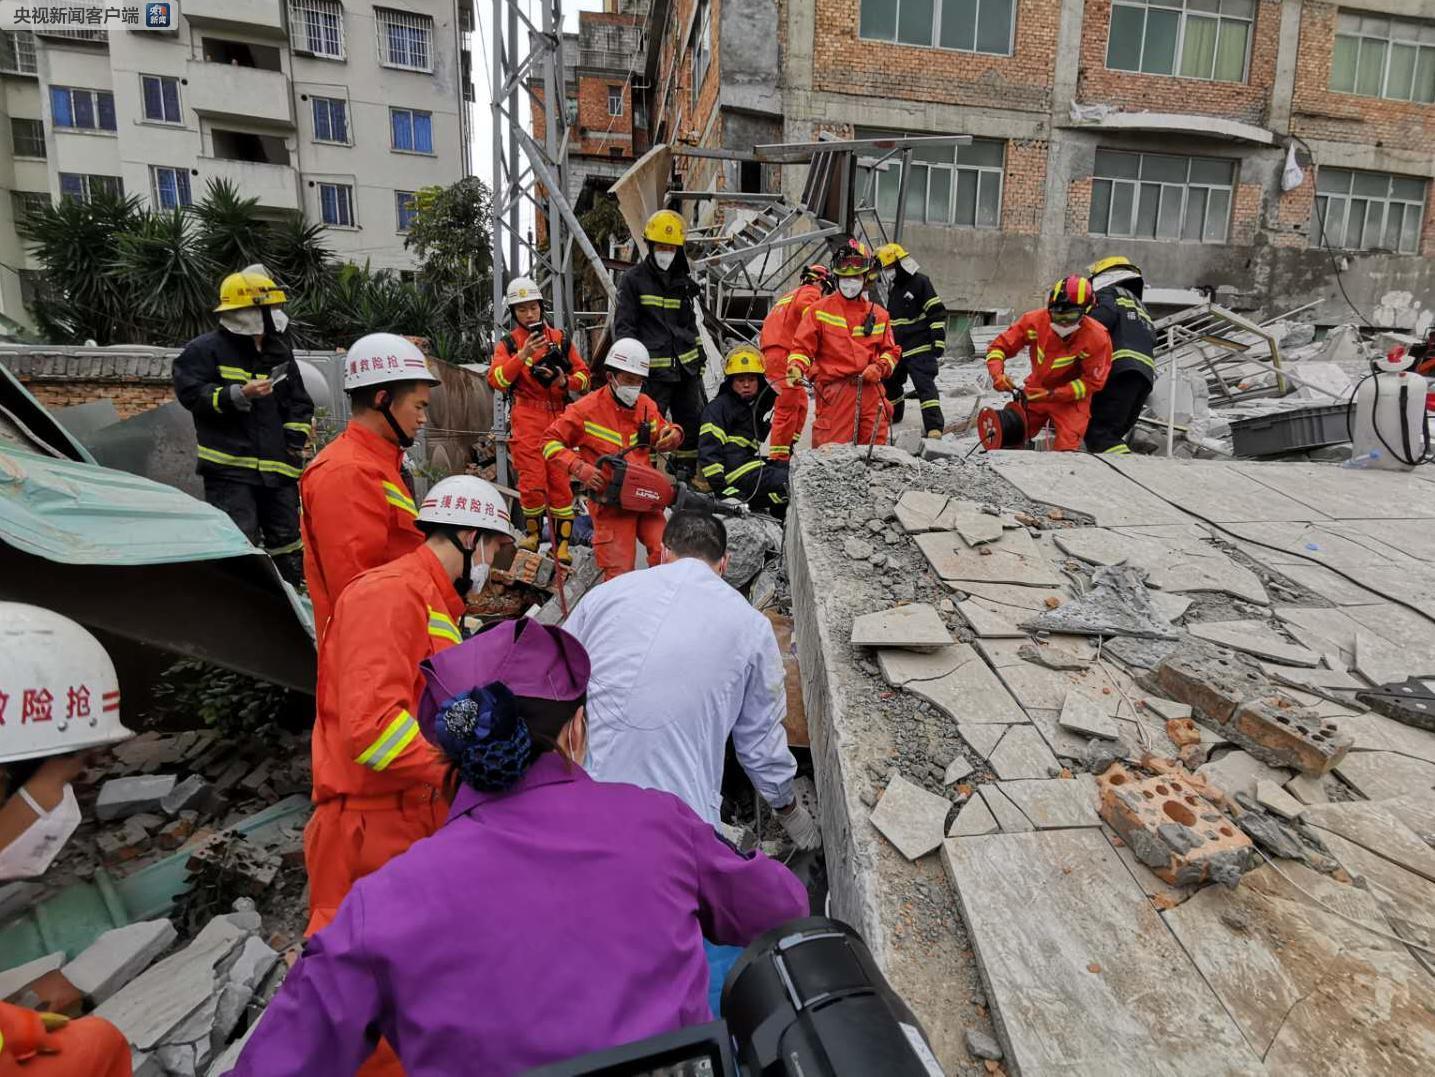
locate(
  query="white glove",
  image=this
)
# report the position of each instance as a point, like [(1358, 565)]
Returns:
[(801, 827)]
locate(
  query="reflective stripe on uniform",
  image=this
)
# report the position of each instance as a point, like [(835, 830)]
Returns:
[(711, 470), (661, 301), (1031, 334), (738, 472), (799, 359), (399, 498), (995, 356), (603, 433), (300, 428), (788, 298), (903, 321), (746, 443), (863, 331), (397, 736), (931, 403), (274, 467), (830, 319), (234, 373), (907, 353), (660, 362), (552, 449), (503, 382), (688, 356), (1119, 449), (929, 304), (1062, 360), (288, 547), (1127, 353), (1078, 389), (564, 513), (579, 380), (937, 325), (443, 626), (715, 430), (214, 397)]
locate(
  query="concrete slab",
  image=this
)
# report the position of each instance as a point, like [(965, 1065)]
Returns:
[(1384, 775), (1375, 732), (1063, 742), (1083, 484), (917, 510), (956, 770), (1039, 688), (990, 621), (899, 667), (970, 693), (1293, 975), (974, 818), (1406, 899), (1238, 772), (1344, 494), (1103, 546), (967, 519), (954, 561), (1323, 629), (121, 797), (1089, 716), (1009, 817), (1083, 976), (1376, 826), (1255, 638), (1275, 799), (1011, 594), (1308, 789), (1326, 582), (983, 737), (1056, 803), (118, 956), (1212, 490), (1215, 572), (1022, 753), (1326, 683), (911, 818), (1170, 607), (913, 627), (1379, 661)]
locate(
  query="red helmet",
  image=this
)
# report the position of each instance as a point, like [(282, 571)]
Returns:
[(1069, 300), (852, 259), (816, 273)]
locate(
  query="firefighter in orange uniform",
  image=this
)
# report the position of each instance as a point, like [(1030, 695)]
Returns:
[(358, 512), (603, 423), (35, 1044), (538, 367), (789, 413), (1070, 361), (844, 346)]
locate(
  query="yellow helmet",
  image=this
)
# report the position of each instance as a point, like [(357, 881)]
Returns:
[(890, 253), (240, 290), (1115, 261), (744, 359), (665, 226)]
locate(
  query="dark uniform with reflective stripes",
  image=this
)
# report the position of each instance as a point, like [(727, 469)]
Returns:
[(250, 450), (919, 322), (729, 450), (1115, 409), (656, 308)]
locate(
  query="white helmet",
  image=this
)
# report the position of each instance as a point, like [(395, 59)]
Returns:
[(380, 358), (58, 689), (466, 501), (522, 290), (628, 354)]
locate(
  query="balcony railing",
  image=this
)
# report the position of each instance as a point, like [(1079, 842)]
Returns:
[(609, 59)]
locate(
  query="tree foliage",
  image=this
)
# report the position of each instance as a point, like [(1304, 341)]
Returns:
[(450, 235)]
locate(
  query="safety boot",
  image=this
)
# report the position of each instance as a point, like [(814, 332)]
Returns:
[(533, 533), (561, 553)]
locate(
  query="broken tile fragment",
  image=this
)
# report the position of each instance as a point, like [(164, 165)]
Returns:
[(1022, 753), (1256, 638), (1308, 789), (911, 818), (956, 770), (1007, 814), (917, 510), (916, 627), (1238, 772), (1053, 803), (1273, 798), (121, 797), (14, 980), (1088, 716), (974, 818)]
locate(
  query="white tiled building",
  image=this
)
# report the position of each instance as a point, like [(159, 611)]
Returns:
[(336, 108)]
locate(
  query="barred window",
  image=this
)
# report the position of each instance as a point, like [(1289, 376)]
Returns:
[(1155, 196), (1377, 56), (1195, 39), (950, 185), (964, 25), (405, 40), (1366, 211), (28, 137), (317, 27), (24, 203), (17, 52)]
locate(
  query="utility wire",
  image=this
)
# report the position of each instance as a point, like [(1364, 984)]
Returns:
[(1324, 240)]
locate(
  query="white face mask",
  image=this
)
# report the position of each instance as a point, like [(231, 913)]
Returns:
[(281, 321), (850, 287), (627, 394), (246, 323), (32, 852), (888, 276), (1064, 331), (664, 259), (909, 264), (478, 574)]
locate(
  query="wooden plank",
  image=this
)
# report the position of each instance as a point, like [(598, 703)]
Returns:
[(1083, 976), (796, 720)]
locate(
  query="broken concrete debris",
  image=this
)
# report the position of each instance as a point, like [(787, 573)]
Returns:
[(13, 982), (1118, 604), (123, 797), (911, 818), (118, 956), (1275, 799), (1090, 716), (913, 627), (974, 818)]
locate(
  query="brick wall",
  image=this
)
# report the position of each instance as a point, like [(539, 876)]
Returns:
[(1078, 206), (1246, 101), (1293, 222), (134, 382), (1319, 112), (845, 63), (1024, 186), (1246, 214)]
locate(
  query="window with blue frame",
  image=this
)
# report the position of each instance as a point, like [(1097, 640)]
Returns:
[(331, 120), (161, 99), (170, 186), (82, 110), (405, 209), (336, 204), (412, 131), (84, 188)]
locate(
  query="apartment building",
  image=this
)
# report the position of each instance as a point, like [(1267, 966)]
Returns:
[(338, 110), (1156, 128)]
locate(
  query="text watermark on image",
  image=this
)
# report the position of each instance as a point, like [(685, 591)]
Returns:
[(146, 15)]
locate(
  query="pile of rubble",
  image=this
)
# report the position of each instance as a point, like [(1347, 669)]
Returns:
[(1140, 747), (179, 904)]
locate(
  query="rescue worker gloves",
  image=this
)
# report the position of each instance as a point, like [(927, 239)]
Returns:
[(465, 501), (669, 439), (239, 291), (588, 476), (1033, 395), (744, 359), (801, 827), (665, 226), (996, 368), (872, 373), (794, 375), (890, 254), (628, 355), (381, 358)]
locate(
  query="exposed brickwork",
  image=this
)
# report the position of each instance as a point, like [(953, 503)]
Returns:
[(1319, 112), (1078, 206), (1294, 223), (844, 63), (1246, 101), (1024, 186), (1246, 214), (129, 399)]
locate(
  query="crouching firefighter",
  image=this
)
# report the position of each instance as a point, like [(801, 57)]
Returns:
[(789, 413), (734, 427), (919, 325), (1070, 359), (1114, 410), (538, 367), (618, 419)]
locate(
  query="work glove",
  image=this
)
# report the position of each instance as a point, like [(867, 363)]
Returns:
[(801, 827), (872, 373), (669, 439), (1002, 384), (1034, 394), (794, 376), (589, 477)]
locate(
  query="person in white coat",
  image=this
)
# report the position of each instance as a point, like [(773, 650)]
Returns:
[(680, 662)]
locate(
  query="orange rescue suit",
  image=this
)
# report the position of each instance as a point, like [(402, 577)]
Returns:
[(357, 514), (789, 413), (597, 426), (377, 781), (836, 340), (1071, 369), (85, 1047), (535, 405)]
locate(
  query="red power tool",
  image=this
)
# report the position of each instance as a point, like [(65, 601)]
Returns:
[(643, 488), (1003, 428)]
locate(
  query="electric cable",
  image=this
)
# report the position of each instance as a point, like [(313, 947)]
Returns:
[(1324, 239)]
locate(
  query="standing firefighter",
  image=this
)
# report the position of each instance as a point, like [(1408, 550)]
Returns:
[(605, 423), (358, 510), (538, 366), (919, 325), (734, 427), (252, 416), (1114, 410), (789, 414), (655, 307), (844, 345), (1070, 358)]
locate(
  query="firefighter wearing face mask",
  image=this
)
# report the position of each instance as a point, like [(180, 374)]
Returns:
[(844, 346), (919, 325), (252, 415), (539, 367), (735, 424), (1070, 361), (789, 414), (604, 423), (655, 307)]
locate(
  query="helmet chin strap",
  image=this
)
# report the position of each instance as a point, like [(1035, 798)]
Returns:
[(405, 439), (463, 584)]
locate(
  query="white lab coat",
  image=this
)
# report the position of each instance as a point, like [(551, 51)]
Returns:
[(680, 661)]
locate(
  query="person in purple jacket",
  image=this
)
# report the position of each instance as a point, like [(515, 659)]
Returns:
[(550, 916)]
